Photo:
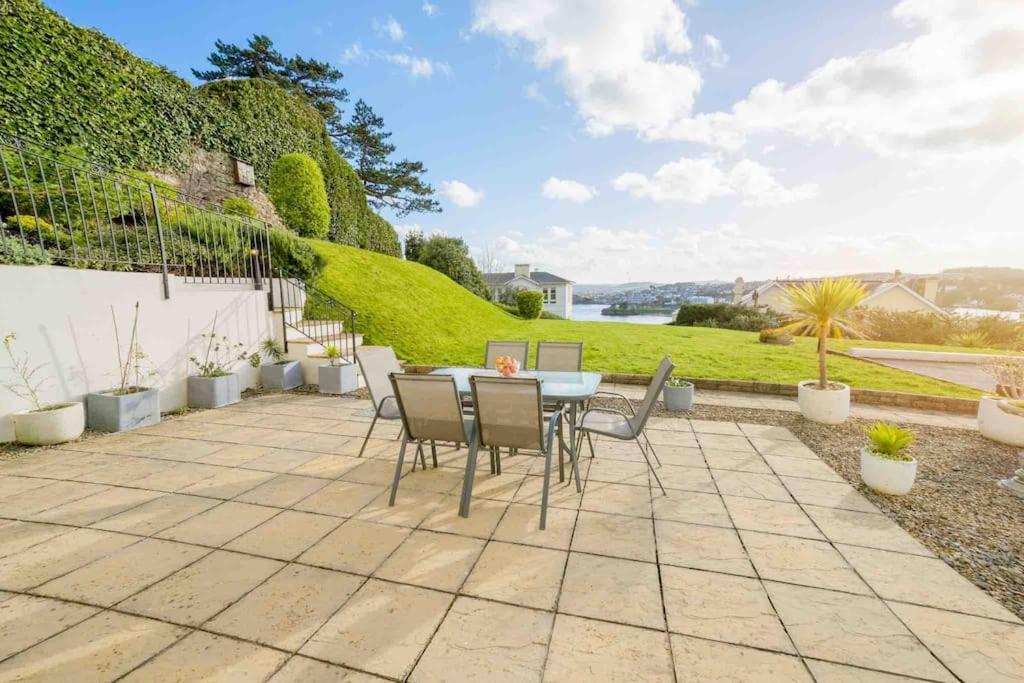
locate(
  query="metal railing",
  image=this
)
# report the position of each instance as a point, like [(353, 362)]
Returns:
[(58, 208), (317, 315)]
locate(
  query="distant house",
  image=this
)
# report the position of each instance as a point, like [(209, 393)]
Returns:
[(888, 296), (557, 290)]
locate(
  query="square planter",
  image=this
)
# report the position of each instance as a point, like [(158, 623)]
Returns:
[(338, 379), (108, 412), (214, 392), (281, 376)]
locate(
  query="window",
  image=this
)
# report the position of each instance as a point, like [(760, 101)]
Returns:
[(549, 295)]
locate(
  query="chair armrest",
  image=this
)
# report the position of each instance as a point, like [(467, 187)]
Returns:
[(616, 395), (610, 411), (552, 427)]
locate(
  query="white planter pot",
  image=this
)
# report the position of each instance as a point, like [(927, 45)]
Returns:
[(894, 477), (829, 406), (48, 427), (678, 397), (997, 424)]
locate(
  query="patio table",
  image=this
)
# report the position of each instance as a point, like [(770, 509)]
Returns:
[(563, 388)]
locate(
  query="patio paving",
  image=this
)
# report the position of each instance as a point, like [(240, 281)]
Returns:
[(250, 543)]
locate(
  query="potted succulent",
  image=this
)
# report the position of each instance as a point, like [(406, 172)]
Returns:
[(280, 373), (823, 309), (1001, 417), (678, 394), (337, 377), (43, 424), (885, 465), (215, 385), (131, 404)]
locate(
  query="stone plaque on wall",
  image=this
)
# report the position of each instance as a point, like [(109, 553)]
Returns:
[(244, 174)]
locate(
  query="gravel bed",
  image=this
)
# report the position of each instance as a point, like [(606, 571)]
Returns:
[(955, 507)]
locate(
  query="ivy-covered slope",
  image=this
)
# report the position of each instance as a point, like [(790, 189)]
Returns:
[(70, 86)]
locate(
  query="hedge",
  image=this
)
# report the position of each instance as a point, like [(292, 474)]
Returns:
[(69, 86), (297, 190), (529, 303)]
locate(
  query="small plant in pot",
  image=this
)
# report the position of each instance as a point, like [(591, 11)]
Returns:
[(824, 310), (1001, 417), (131, 404), (44, 424), (280, 373), (337, 376), (885, 465), (678, 394), (215, 385)]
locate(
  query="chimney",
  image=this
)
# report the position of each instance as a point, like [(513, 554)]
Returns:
[(931, 288), (523, 270), (737, 291)]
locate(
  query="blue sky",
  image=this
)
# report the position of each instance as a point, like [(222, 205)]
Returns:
[(872, 140)]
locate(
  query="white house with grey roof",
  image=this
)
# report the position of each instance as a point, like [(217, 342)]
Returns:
[(557, 290)]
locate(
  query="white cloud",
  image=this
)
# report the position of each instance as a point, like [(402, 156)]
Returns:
[(430, 9), (956, 88), (390, 28), (533, 92), (461, 194), (418, 67), (601, 255), (695, 181), (624, 64), (354, 53), (716, 55), (574, 191)]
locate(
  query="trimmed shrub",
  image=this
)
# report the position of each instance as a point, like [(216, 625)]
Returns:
[(908, 326), (727, 316), (239, 206), (299, 196), (295, 255), (530, 303), (380, 236)]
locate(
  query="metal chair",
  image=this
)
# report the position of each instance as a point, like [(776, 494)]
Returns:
[(431, 411), (510, 414), (618, 425), (377, 363), (520, 350), (559, 356)]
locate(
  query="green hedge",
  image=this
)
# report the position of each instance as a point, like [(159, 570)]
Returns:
[(297, 190), (71, 86), (529, 303)]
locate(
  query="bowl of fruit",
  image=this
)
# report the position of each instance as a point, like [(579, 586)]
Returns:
[(506, 365)]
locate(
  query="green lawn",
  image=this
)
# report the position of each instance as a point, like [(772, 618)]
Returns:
[(429, 319)]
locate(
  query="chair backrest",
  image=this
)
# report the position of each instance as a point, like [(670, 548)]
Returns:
[(520, 350), (376, 363), (560, 356), (661, 376), (430, 407), (509, 411)]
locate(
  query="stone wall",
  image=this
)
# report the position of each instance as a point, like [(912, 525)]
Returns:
[(211, 178)]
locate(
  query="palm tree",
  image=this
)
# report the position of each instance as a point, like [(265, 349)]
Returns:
[(823, 309)]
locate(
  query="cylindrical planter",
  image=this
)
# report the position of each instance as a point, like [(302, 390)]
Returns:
[(281, 376), (214, 392), (678, 397), (110, 412), (997, 424), (338, 379), (827, 406), (894, 477), (54, 424)]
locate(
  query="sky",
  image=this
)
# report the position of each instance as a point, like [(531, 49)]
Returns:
[(671, 140)]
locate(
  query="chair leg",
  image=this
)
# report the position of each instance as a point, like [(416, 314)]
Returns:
[(433, 453), (423, 457), (650, 447), (497, 460), (373, 423), (493, 467), (467, 482), (591, 444), (650, 466), (547, 484), (398, 471), (401, 432)]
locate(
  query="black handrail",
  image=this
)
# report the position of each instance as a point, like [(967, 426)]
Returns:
[(332, 322)]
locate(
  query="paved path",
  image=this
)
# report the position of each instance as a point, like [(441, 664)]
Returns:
[(737, 399), (248, 543)]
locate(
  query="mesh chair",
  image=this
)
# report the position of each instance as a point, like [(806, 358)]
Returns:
[(618, 425), (376, 363), (559, 356), (509, 414), (520, 350), (431, 410)]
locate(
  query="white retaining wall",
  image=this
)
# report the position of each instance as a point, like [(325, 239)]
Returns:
[(62, 319)]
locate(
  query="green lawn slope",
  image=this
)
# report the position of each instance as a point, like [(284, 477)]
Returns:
[(429, 319)]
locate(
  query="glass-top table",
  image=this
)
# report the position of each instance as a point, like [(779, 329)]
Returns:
[(566, 388)]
